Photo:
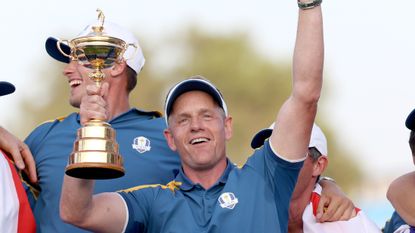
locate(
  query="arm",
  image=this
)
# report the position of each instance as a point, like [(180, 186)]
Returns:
[(400, 194), (296, 116), (103, 212), (334, 205), (19, 152)]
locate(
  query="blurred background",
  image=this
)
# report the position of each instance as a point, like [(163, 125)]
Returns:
[(245, 48)]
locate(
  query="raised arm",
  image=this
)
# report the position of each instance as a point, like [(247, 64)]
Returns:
[(296, 116), (103, 212), (400, 194)]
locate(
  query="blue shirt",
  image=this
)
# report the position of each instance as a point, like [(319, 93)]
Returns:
[(51, 144), (395, 222), (254, 198)]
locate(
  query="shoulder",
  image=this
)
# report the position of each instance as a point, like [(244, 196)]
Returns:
[(44, 128), (50, 123)]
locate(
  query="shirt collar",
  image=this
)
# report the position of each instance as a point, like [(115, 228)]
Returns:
[(187, 184), (133, 113)]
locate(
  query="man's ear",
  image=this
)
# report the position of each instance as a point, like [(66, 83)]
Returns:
[(320, 165), (169, 138), (228, 127), (118, 68)]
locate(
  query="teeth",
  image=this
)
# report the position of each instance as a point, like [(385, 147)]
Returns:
[(198, 140), (74, 82)]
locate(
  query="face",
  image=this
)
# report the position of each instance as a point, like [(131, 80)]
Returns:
[(198, 131), (308, 175), (78, 79)]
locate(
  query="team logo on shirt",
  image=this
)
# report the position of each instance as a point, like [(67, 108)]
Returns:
[(141, 144), (227, 200)]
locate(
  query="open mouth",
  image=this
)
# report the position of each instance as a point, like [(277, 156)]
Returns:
[(75, 83), (199, 141)]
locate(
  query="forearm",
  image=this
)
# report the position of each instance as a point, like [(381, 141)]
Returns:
[(308, 56), (297, 114), (76, 200)]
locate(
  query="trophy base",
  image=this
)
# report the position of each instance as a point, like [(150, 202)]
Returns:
[(96, 171)]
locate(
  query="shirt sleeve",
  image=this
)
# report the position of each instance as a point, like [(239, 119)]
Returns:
[(139, 204), (281, 175)]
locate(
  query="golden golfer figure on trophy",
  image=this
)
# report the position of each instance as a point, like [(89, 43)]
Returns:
[(95, 153)]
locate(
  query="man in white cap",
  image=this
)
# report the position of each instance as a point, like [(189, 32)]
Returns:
[(15, 215), (306, 196), (147, 158)]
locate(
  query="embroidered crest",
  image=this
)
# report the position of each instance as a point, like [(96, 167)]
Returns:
[(141, 144), (228, 200)]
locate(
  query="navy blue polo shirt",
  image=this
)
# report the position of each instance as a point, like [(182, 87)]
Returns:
[(147, 160), (397, 222), (254, 198)]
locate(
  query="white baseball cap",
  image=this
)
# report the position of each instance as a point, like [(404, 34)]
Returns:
[(317, 139), (134, 56)]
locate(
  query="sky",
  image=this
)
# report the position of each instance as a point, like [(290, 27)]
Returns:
[(369, 51)]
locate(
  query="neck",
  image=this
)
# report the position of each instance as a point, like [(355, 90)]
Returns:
[(298, 203), (206, 177), (117, 102)]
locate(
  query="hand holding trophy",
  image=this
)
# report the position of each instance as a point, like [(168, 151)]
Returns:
[(95, 153)]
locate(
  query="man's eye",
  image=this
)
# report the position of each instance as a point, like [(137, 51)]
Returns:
[(182, 120)]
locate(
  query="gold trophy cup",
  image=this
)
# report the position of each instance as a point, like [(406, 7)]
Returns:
[(95, 152)]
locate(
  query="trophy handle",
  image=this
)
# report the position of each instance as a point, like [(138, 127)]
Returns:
[(58, 45), (135, 51)]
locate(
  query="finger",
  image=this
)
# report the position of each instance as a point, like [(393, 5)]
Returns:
[(17, 157), (104, 90), (92, 89), (348, 214), (30, 163), (329, 209), (86, 116), (321, 208), (93, 102), (333, 214)]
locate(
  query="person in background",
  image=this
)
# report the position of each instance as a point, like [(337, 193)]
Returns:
[(306, 197), (401, 190), (15, 214)]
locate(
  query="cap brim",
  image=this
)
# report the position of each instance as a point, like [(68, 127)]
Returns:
[(410, 120), (6, 88), (193, 85), (53, 51), (259, 138)]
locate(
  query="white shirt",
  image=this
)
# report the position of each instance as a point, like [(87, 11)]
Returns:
[(358, 224)]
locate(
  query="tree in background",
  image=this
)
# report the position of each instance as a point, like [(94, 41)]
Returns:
[(246, 78)]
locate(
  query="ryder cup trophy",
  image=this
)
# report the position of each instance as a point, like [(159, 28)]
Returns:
[(95, 152)]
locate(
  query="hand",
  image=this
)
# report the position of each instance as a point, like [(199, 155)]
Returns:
[(93, 104), (19, 152), (334, 205)]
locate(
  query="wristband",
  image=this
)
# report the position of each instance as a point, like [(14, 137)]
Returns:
[(326, 178), (308, 5)]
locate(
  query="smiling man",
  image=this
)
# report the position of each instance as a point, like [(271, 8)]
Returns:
[(210, 194)]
